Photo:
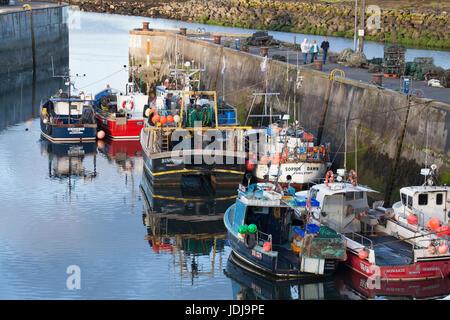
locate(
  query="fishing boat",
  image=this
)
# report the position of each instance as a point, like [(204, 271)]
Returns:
[(380, 246), (121, 115), (194, 139), (68, 118), (285, 153), (269, 231)]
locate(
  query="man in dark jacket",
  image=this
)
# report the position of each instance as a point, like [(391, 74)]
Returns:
[(324, 46)]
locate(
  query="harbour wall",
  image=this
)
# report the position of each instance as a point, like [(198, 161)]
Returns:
[(20, 90), (392, 134)]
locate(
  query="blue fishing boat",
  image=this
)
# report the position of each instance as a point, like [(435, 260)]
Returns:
[(268, 229), (67, 118)]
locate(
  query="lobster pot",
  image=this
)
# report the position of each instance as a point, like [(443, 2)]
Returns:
[(394, 60)]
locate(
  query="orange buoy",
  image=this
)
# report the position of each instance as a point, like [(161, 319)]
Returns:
[(363, 254), (101, 134), (433, 224), (442, 248), (264, 160), (267, 247), (155, 119), (249, 165), (412, 219), (163, 120), (276, 159), (169, 119)]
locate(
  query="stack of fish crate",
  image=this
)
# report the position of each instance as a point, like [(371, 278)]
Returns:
[(394, 60)]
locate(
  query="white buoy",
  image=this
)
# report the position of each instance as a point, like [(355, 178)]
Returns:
[(101, 134)]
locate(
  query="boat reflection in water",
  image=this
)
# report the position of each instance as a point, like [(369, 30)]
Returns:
[(358, 287), (187, 222), (66, 161), (126, 154), (248, 285)]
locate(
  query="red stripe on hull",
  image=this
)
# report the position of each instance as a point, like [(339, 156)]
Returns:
[(416, 271), (130, 131)]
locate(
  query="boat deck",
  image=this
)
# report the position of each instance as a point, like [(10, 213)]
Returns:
[(394, 253)]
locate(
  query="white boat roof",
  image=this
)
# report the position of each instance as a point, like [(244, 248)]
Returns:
[(422, 189), (341, 187)]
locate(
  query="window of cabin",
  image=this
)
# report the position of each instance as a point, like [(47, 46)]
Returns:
[(439, 199), (423, 199), (403, 196), (410, 201), (359, 195), (349, 196)]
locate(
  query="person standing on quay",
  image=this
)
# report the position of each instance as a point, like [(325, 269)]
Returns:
[(314, 50), (305, 47), (324, 46)]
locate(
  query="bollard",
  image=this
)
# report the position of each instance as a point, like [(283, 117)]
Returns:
[(145, 26), (264, 51), (183, 31), (217, 39), (318, 64), (378, 79)]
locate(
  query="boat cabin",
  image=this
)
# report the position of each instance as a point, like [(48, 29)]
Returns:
[(424, 201), (341, 203)]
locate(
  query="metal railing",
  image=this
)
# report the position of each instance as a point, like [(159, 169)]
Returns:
[(362, 238)]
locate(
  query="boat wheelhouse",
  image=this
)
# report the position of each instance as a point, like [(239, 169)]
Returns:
[(193, 140), (378, 245), (65, 118), (284, 153), (424, 202), (269, 230)]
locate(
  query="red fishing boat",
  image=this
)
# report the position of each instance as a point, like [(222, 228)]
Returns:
[(379, 245), (121, 115)]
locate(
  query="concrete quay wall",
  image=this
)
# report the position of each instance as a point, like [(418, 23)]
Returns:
[(396, 135)]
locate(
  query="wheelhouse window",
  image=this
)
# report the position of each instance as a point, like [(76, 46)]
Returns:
[(403, 196), (410, 201), (359, 195), (349, 196), (439, 199), (423, 199)]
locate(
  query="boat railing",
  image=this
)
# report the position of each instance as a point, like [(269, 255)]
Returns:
[(355, 236), (262, 237)]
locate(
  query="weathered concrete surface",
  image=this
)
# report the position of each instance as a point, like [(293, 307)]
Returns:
[(374, 115), (51, 40)]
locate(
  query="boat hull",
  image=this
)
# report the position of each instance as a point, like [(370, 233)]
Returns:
[(301, 174), (272, 265), (167, 170), (69, 133), (128, 131), (420, 270)]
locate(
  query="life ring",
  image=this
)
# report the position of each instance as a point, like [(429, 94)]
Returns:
[(329, 178), (250, 240), (353, 178), (131, 104)]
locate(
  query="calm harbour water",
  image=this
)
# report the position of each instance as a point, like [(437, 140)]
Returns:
[(92, 210)]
